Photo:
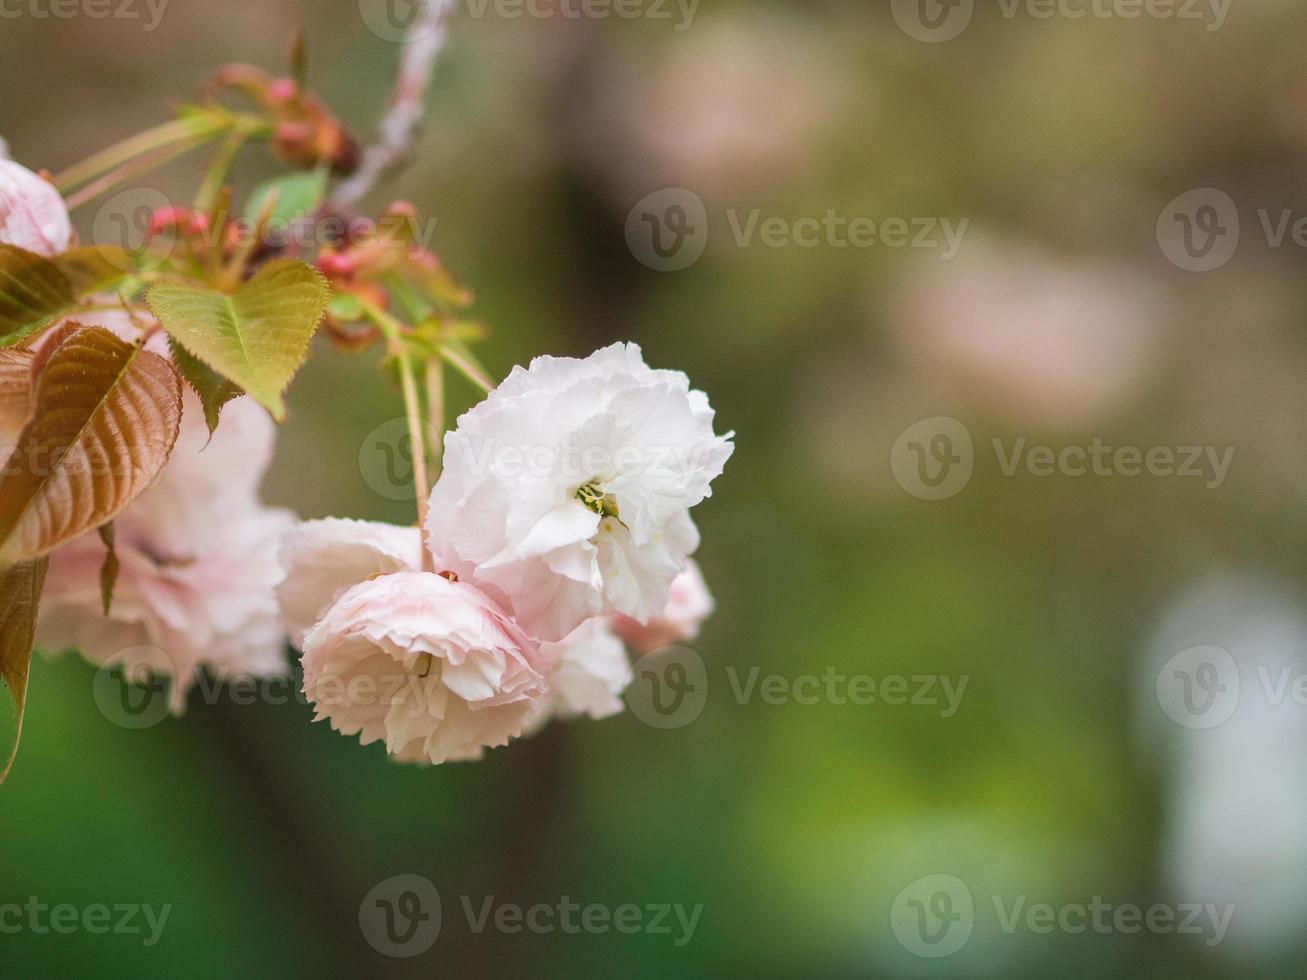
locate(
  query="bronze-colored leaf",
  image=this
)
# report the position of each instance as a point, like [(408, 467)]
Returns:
[(106, 415), (15, 396), (20, 594)]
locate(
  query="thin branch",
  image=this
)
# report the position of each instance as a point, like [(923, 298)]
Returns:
[(426, 37)]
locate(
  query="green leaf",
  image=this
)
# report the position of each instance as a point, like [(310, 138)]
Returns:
[(36, 291), (298, 196), (109, 570), (214, 390), (33, 291), (94, 268), (20, 595), (105, 417), (256, 337)]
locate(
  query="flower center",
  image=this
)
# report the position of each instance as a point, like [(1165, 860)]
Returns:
[(603, 504)]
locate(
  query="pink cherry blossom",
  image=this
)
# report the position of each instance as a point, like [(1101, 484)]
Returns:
[(32, 214), (324, 559), (589, 672), (689, 603), (566, 493), (431, 667), (198, 563)]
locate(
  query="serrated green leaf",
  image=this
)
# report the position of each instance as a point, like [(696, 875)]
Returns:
[(298, 196), (104, 419), (33, 291), (214, 390), (256, 337), (20, 595)]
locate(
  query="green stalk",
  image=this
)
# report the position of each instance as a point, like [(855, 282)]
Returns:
[(216, 175), (436, 413), (177, 131), (129, 170), (467, 368)]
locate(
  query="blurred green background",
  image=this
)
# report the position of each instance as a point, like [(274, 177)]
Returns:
[(1061, 142)]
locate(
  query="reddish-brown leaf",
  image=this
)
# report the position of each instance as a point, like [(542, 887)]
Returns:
[(105, 417), (20, 593)]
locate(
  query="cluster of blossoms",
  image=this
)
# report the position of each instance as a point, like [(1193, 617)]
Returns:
[(557, 533), (515, 613)]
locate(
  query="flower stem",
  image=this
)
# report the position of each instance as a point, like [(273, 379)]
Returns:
[(436, 413), (421, 487), (398, 347)]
